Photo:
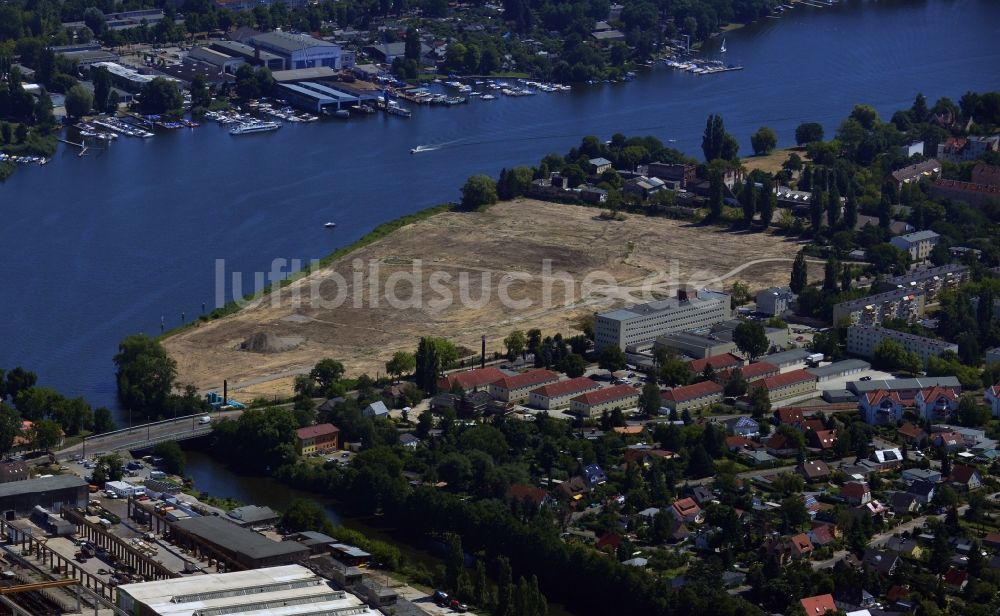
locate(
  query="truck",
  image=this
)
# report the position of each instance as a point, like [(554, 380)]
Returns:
[(814, 359)]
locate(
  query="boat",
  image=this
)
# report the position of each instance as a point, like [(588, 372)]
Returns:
[(414, 150), (330, 225), (254, 127), (342, 113), (723, 48), (488, 97)]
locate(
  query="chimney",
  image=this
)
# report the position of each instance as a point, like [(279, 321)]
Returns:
[(682, 295), (482, 357), (225, 392)]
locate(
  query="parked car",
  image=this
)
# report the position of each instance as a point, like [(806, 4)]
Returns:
[(458, 606), (441, 598), (866, 378)]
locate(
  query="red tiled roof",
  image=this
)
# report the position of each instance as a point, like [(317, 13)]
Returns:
[(471, 379), (317, 430), (934, 393), (801, 543), (874, 397), (609, 540), (787, 379), (686, 507), (692, 392), (738, 441), (723, 361), (825, 438), (520, 492), (823, 534), (854, 489), (757, 370), (816, 425), (608, 394), (818, 605), (564, 388), (962, 473), (954, 577), (910, 430), (526, 379), (968, 187), (790, 415)]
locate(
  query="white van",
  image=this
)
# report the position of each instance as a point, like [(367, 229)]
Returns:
[(204, 420)]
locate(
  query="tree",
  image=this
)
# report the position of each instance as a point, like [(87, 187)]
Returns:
[(716, 191), (890, 355), (800, 274), (478, 191), (10, 427), (47, 434), (760, 401), (400, 364), (793, 512), (145, 374), (700, 464), (173, 456), (574, 365), (674, 371), (716, 142), (454, 561), (428, 366), (412, 47), (101, 79), (109, 468), (516, 343), (303, 515), (971, 413), (79, 100), (747, 202), (326, 374), (200, 97), (763, 141), (808, 132), (505, 590), (831, 272), (850, 209), (767, 203), (650, 400), (103, 420), (161, 96), (751, 339), (736, 385), (612, 358)]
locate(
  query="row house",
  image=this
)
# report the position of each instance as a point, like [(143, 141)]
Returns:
[(936, 403), (881, 407), (557, 395), (518, 387), (789, 385), (689, 397)]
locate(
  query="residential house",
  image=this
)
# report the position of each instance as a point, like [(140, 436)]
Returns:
[(887, 459), (918, 244), (856, 493), (993, 399), (702, 495), (470, 380), (922, 474), (970, 192), (594, 475), (409, 441), (882, 562), (788, 548), (912, 434), (774, 301), (961, 149), (599, 165), (965, 477), (757, 458), (992, 541), (821, 439), (593, 403), (881, 407), (719, 363), (949, 440), (517, 388), (376, 409), (643, 187), (736, 443), (903, 503), (790, 416), (813, 470), (645, 456), (911, 149), (686, 510), (742, 426), (823, 533), (936, 403), (522, 493), (557, 395), (573, 488), (926, 170), (318, 438), (609, 542), (874, 508), (955, 579), (781, 445), (691, 397), (818, 605), (789, 385), (922, 491), (903, 546), (679, 174)]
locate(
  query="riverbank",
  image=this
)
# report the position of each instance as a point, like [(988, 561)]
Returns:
[(520, 264)]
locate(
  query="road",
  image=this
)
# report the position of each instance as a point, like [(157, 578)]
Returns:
[(880, 539), (140, 436)]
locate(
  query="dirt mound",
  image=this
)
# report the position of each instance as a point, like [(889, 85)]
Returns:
[(266, 342)]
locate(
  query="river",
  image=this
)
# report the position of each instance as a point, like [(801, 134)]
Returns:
[(99, 247)]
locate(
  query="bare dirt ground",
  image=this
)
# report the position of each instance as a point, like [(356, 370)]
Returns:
[(771, 163), (493, 266)]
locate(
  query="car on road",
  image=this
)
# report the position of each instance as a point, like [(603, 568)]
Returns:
[(866, 378), (441, 598)]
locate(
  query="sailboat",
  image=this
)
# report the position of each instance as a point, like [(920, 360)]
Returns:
[(723, 48)]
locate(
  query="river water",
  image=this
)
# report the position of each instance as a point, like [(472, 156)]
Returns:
[(99, 247)]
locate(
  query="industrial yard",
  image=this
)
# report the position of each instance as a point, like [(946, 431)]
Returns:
[(511, 237)]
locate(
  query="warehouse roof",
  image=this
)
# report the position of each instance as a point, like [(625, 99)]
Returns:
[(565, 388), (42, 484), (236, 538), (286, 42), (840, 367), (253, 514)]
